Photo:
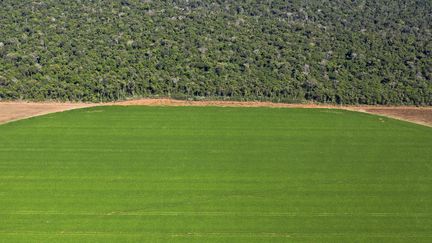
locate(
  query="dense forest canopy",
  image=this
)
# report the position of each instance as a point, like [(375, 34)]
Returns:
[(335, 51)]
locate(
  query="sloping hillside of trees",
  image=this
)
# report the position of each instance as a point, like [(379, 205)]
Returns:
[(333, 51)]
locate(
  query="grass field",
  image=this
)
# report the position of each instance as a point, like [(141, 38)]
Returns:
[(207, 174)]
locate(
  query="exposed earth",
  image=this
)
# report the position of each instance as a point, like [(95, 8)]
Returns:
[(419, 115), (11, 111)]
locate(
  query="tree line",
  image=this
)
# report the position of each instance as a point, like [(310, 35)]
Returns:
[(329, 51)]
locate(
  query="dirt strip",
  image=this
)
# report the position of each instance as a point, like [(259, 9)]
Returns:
[(10, 111)]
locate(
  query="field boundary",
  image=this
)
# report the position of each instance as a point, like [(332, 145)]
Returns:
[(12, 111)]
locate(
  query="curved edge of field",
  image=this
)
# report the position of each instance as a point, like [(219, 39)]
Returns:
[(13, 111), (418, 115)]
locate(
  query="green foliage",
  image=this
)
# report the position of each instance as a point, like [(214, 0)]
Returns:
[(337, 51)]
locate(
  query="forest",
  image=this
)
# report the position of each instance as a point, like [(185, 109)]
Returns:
[(325, 51)]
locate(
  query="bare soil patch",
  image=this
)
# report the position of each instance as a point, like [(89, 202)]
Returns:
[(419, 115), (10, 111)]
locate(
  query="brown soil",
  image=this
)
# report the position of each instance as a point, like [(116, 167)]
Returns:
[(419, 115), (10, 111)]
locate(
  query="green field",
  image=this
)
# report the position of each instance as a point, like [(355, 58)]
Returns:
[(208, 174)]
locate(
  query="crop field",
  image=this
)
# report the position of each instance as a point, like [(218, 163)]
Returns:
[(215, 174)]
